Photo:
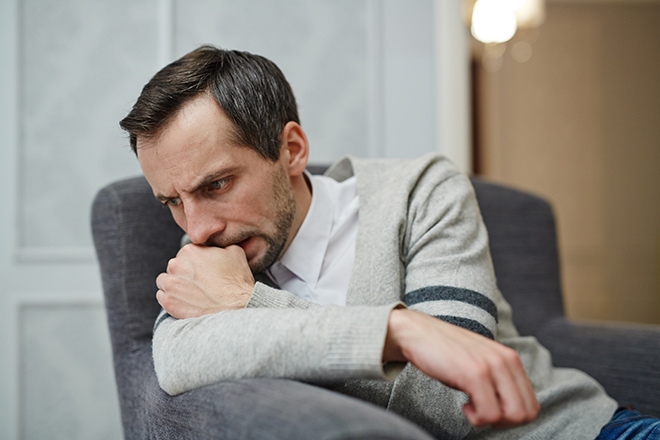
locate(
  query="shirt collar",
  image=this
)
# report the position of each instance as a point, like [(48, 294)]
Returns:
[(306, 253)]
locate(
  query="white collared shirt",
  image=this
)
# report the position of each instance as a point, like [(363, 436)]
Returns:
[(317, 265)]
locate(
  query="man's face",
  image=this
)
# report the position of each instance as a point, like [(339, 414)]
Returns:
[(219, 193)]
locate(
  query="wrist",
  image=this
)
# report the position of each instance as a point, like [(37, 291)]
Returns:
[(392, 351)]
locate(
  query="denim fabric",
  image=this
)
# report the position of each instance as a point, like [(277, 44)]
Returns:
[(629, 424)]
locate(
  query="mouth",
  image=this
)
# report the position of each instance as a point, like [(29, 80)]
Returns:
[(246, 245)]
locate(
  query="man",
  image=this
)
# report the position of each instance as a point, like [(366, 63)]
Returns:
[(375, 281)]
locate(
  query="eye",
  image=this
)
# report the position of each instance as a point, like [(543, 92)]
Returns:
[(171, 203), (218, 184)]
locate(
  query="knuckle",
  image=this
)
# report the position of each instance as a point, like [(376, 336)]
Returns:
[(172, 264), (516, 417), (508, 357), (164, 282), (512, 356), (534, 412), (163, 299), (480, 371), (491, 417)]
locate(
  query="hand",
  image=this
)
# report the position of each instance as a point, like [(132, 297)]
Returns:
[(202, 280), (490, 373)]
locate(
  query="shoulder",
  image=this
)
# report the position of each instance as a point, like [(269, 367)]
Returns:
[(406, 174)]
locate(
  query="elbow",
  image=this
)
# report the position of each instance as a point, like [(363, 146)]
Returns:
[(167, 378), (166, 382)]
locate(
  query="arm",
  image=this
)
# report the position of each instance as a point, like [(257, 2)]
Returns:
[(247, 329), (449, 272), (449, 276), (317, 345), (492, 375), (190, 286)]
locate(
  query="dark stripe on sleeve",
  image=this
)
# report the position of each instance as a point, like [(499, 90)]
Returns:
[(446, 293), (162, 318), (468, 324)]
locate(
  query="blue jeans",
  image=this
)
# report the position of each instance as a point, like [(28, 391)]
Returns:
[(629, 424)]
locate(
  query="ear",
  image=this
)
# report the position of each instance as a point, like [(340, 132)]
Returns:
[(294, 151)]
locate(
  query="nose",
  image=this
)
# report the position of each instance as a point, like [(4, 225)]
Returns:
[(202, 223)]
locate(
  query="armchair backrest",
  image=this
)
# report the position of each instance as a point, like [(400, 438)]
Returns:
[(523, 245), (134, 239)]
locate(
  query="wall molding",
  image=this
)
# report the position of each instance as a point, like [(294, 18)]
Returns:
[(9, 74), (10, 325), (376, 87), (56, 255), (166, 31), (21, 304)]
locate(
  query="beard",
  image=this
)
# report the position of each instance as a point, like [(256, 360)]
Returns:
[(285, 211)]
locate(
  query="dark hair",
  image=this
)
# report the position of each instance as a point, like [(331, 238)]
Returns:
[(251, 90)]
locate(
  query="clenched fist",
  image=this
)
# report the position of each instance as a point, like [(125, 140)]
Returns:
[(202, 280)]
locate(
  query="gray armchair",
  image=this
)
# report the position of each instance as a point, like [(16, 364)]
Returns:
[(134, 238)]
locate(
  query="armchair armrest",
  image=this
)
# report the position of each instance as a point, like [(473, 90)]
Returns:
[(624, 358)]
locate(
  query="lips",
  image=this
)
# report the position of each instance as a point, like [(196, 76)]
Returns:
[(246, 245)]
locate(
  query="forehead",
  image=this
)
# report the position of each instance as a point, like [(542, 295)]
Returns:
[(198, 140), (200, 117)]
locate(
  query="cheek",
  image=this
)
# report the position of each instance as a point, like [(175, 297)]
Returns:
[(179, 218), (248, 207)]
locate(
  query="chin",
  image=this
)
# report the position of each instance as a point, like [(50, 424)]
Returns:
[(257, 266), (261, 253), (256, 260), (261, 262)]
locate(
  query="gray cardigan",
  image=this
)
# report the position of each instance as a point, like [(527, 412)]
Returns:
[(421, 241)]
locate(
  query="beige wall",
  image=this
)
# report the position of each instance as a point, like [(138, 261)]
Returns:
[(579, 123)]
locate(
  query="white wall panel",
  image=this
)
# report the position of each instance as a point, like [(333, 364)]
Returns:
[(65, 367), (320, 45), (81, 65)]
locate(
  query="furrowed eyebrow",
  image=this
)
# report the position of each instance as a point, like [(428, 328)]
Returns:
[(201, 182), (210, 178)]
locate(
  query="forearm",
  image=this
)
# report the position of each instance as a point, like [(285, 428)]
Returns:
[(264, 296), (322, 344), (489, 372)]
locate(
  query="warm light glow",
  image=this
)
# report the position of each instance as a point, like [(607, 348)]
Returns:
[(530, 13), (494, 21)]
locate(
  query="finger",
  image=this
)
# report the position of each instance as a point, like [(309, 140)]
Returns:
[(514, 390), (160, 281), (484, 407), (172, 264), (171, 305), (161, 298), (530, 401), (499, 398), (185, 249), (235, 250)]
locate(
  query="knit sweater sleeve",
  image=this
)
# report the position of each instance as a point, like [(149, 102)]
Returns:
[(449, 272), (439, 264), (271, 339), (449, 275)]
